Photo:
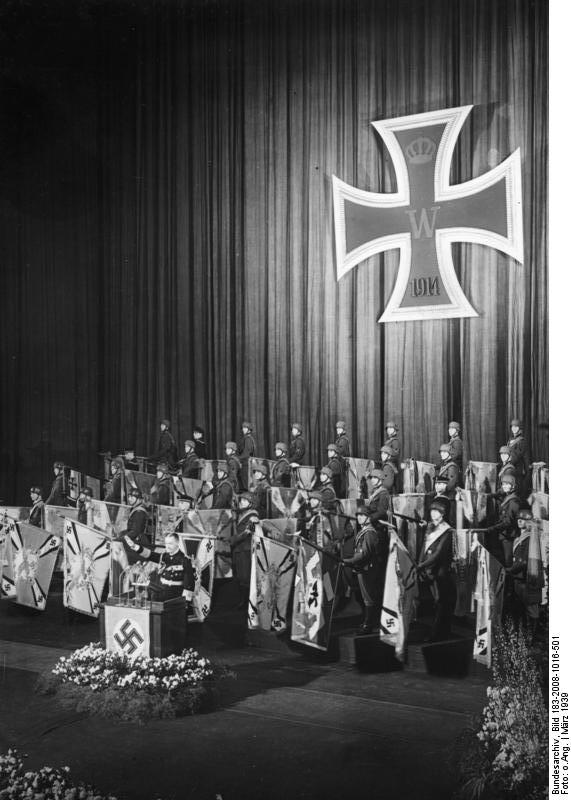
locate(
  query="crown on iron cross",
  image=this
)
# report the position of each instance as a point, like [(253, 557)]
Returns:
[(427, 214)]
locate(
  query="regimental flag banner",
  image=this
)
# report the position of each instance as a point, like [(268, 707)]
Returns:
[(55, 518), (268, 463), (418, 476), (426, 215), (304, 477), (481, 476), (315, 588), (9, 514), (281, 530), (540, 477), (271, 578), (488, 596), (465, 543), (127, 630), (400, 596), (218, 525), (411, 506), (74, 482), (110, 517), (86, 567), (94, 484), (201, 550), (286, 502), (540, 505), (169, 519), (357, 469), (475, 506), (142, 481), (31, 555), (186, 487)]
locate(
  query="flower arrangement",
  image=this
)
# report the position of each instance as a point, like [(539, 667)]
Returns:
[(47, 783), (135, 689), (506, 754)]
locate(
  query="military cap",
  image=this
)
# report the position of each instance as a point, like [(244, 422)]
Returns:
[(166, 422), (296, 425), (340, 424), (388, 450), (246, 496), (59, 465), (515, 422), (377, 473), (504, 449), (134, 492), (248, 425), (333, 447), (117, 462), (315, 496), (524, 513), (260, 468), (189, 443), (326, 471), (35, 490), (363, 510), (87, 490), (444, 448), (509, 479), (230, 446), (454, 425), (222, 467), (440, 505), (281, 446), (198, 429), (391, 424)]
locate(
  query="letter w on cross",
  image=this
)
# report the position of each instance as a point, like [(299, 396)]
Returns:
[(427, 214)]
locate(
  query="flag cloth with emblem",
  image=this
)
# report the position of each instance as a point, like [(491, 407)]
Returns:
[(304, 477), (218, 524), (399, 598), (55, 517), (127, 630), (201, 550), (476, 507), (186, 487), (464, 545), (357, 469), (110, 517), (74, 482), (30, 556), (540, 505), (488, 596), (169, 519), (315, 588), (481, 476), (281, 530), (411, 506), (539, 477), (418, 476), (271, 577), (285, 502), (143, 481), (86, 567)]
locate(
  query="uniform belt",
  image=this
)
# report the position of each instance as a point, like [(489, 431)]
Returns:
[(166, 582)]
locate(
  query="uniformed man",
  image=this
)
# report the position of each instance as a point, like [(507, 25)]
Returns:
[(519, 456), (199, 442), (37, 512), (507, 528), (175, 573), (190, 464), (392, 440), (527, 588), (369, 561), (84, 506), (337, 467), (379, 502), (241, 544), (57, 496), (435, 570), (166, 450), (388, 469), (448, 469), (317, 524), (114, 487), (441, 493), (342, 440), (281, 471), (234, 466), (296, 450), (506, 467), (259, 490), (161, 490), (246, 450), (456, 445), (223, 490), (327, 490), (136, 530)]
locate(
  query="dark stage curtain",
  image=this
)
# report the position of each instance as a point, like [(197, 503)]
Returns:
[(167, 237)]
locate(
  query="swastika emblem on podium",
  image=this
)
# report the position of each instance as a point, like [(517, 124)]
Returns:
[(128, 636), (427, 214)]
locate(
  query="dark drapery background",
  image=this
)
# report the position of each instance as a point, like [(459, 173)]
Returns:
[(166, 236)]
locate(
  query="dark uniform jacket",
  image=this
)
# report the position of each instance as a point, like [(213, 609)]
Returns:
[(37, 514), (342, 442), (113, 489), (337, 467), (200, 448), (296, 450), (260, 492), (436, 560), (506, 469), (167, 449), (448, 470), (371, 550), (457, 451), (223, 494), (281, 473), (81, 512), (161, 491), (394, 443), (507, 525), (247, 520), (190, 465), (328, 497), (57, 495), (379, 504), (390, 474), (175, 572), (234, 467), (318, 530), (246, 447), (137, 531), (519, 454)]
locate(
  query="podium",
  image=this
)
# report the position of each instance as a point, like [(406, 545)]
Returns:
[(148, 628)]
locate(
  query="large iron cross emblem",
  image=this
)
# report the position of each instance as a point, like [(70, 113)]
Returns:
[(427, 214)]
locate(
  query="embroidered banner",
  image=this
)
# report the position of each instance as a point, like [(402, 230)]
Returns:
[(286, 502), (30, 558), (357, 471), (464, 543), (218, 525), (400, 596), (409, 531), (476, 507), (142, 481), (488, 596), (539, 477), (418, 476), (481, 476), (316, 580), (110, 517), (271, 577), (304, 477), (201, 551), (540, 505), (86, 567), (55, 518)]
